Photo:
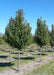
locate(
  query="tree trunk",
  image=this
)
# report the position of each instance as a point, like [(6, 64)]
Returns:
[(18, 60), (52, 52), (37, 47), (13, 50), (46, 49), (10, 55), (40, 54), (27, 52)]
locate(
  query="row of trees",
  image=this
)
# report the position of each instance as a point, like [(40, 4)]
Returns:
[(18, 33)]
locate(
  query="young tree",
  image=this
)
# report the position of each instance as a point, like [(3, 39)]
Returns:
[(41, 34), (52, 38), (9, 34), (18, 33)]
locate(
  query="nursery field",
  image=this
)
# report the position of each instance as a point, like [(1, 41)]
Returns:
[(5, 51), (26, 37)]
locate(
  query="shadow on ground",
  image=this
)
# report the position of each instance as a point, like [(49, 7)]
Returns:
[(17, 53), (6, 64), (25, 58), (50, 51), (42, 54), (31, 51), (14, 69), (3, 56)]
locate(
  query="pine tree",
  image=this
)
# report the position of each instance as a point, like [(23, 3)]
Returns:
[(1, 40), (52, 38), (9, 34), (18, 32), (41, 34)]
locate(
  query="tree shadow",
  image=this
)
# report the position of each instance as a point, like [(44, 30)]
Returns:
[(36, 49), (9, 64), (31, 51), (3, 56), (22, 53), (14, 69), (25, 58), (50, 51), (17, 53), (14, 53), (43, 54), (7, 51)]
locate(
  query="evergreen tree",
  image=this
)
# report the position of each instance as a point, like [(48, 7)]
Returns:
[(18, 32), (1, 40), (9, 33), (41, 34), (52, 38)]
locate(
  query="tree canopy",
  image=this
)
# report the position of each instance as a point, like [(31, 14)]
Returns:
[(52, 36), (18, 31), (41, 33)]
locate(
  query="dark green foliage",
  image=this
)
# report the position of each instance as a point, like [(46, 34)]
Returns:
[(41, 33), (52, 36), (9, 33), (1, 40), (18, 31)]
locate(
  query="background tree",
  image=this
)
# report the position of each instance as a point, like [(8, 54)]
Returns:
[(52, 38), (9, 34), (1, 40), (47, 35), (18, 32), (41, 34)]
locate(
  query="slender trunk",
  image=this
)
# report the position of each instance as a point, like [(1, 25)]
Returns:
[(18, 60), (10, 55), (13, 50), (37, 47), (52, 52), (27, 52), (40, 54), (46, 49)]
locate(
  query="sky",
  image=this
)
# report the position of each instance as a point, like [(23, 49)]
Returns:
[(33, 9)]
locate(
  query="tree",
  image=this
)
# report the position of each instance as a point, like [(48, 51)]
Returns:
[(52, 37), (1, 40), (9, 34), (41, 34), (18, 33)]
